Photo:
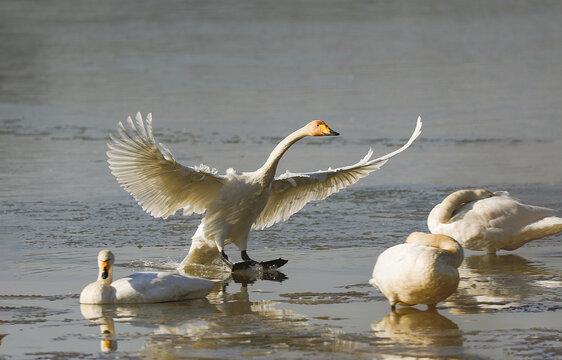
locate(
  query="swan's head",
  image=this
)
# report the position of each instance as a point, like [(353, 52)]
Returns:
[(105, 263), (440, 241), (319, 128), (483, 193)]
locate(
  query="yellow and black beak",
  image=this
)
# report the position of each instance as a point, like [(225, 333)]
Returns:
[(105, 269), (326, 131)]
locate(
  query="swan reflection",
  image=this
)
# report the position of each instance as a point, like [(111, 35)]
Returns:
[(227, 316), (249, 277), (494, 282), (161, 318), (95, 313), (243, 276), (416, 327), (237, 320)]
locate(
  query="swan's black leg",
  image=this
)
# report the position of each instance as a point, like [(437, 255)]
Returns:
[(224, 258), (245, 257), (246, 264)]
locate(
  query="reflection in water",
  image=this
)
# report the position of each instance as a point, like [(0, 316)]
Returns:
[(237, 326), (225, 320), (491, 282), (95, 313), (246, 276), (250, 276), (107, 343), (163, 318), (416, 327)]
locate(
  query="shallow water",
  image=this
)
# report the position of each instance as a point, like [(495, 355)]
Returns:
[(225, 83)]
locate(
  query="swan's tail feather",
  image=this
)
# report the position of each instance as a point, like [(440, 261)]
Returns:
[(544, 227)]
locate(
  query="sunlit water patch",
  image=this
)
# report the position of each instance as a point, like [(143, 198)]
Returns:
[(225, 85)]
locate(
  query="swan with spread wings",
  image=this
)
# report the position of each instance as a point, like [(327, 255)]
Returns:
[(235, 202)]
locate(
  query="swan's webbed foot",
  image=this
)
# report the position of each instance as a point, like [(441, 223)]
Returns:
[(246, 264), (249, 262), (273, 264)]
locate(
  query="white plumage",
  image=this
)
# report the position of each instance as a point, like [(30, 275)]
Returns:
[(421, 271), (235, 202), (486, 221), (140, 288)]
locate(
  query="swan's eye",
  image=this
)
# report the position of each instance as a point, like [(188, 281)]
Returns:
[(317, 124)]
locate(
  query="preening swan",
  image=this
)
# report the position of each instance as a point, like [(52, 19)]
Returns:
[(140, 288), (486, 221), (236, 202), (423, 270)]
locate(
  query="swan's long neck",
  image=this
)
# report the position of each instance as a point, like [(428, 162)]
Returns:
[(268, 169), (443, 212), (452, 250)]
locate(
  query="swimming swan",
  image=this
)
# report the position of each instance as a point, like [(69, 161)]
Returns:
[(236, 202), (423, 270), (141, 288), (486, 221)]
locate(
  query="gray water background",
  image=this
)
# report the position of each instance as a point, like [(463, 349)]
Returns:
[(225, 82)]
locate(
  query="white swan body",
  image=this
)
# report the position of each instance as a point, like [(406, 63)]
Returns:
[(141, 288), (486, 221), (236, 202), (421, 271)]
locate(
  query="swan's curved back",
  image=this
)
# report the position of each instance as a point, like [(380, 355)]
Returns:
[(451, 248)]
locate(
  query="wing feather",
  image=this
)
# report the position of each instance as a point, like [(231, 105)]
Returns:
[(290, 192), (153, 177)]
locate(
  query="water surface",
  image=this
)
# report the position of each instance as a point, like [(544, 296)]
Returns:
[(227, 81)]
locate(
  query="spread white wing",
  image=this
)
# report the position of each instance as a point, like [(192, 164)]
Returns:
[(291, 192), (154, 178)]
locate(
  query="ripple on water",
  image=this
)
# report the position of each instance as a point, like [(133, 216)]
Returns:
[(29, 314), (313, 298)]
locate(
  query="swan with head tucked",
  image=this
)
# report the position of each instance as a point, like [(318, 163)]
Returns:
[(486, 221), (236, 202), (423, 270), (141, 288)]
